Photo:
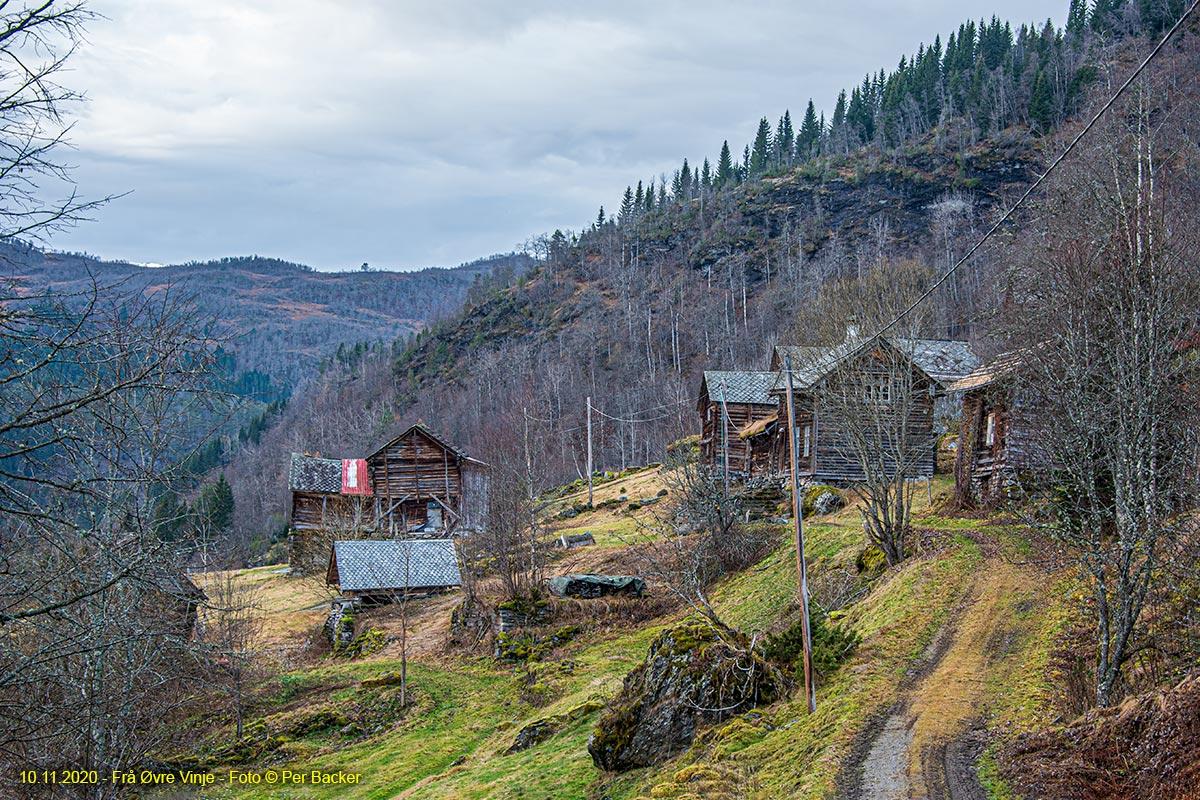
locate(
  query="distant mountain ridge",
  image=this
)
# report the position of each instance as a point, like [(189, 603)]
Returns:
[(285, 317)]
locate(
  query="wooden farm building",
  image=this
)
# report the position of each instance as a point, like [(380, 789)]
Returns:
[(996, 439), (417, 484), (730, 401), (383, 570), (859, 376)]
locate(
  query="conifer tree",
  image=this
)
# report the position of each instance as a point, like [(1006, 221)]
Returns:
[(627, 206), (1077, 16), (810, 135), (744, 172), (761, 154), (706, 177), (639, 197), (650, 196), (600, 218), (215, 505), (1041, 103), (724, 165), (785, 141)]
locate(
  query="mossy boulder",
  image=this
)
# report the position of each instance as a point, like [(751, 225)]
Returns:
[(821, 499), (694, 674), (871, 562)]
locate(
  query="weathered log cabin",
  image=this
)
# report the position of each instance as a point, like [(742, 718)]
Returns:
[(996, 439), (425, 485), (728, 403), (867, 398), (417, 484)]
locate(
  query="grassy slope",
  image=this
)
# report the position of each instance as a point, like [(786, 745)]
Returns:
[(998, 614)]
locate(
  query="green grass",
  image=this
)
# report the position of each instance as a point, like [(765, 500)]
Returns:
[(468, 710)]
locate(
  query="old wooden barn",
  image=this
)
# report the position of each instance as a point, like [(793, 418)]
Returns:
[(866, 377), (728, 402), (416, 485), (996, 439)]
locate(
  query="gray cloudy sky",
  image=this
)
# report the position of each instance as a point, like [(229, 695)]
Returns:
[(410, 134)]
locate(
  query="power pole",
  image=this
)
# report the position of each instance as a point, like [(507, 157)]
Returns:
[(725, 436), (801, 566), (589, 434)]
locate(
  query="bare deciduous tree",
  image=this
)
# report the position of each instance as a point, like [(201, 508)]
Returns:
[(1105, 303)]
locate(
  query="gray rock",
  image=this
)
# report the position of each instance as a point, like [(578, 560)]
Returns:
[(828, 503), (691, 676)]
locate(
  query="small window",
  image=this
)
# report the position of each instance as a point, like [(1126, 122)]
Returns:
[(877, 388), (989, 436), (806, 442)]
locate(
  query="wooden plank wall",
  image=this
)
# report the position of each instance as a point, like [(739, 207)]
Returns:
[(834, 458), (712, 442), (418, 467)]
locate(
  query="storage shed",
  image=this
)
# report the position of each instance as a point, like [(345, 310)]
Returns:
[(729, 402), (383, 570)]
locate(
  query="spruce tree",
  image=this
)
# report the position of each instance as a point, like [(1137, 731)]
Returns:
[(627, 206), (761, 154), (724, 165), (639, 197), (810, 134), (1041, 103), (650, 196), (706, 177), (215, 505), (785, 140)]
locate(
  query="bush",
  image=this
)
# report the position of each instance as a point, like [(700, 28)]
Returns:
[(831, 645)]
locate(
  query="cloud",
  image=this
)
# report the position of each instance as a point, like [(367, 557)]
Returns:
[(407, 134)]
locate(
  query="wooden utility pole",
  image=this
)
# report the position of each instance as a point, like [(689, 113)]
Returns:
[(589, 434), (725, 436), (801, 565)]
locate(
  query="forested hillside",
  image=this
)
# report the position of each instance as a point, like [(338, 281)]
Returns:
[(711, 268), (281, 318)]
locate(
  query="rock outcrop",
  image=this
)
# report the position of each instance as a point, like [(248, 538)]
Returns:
[(695, 673)]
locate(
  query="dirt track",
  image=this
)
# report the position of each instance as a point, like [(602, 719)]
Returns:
[(927, 746)]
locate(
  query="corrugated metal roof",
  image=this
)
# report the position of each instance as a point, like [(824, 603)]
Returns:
[(368, 565), (740, 387), (310, 474)]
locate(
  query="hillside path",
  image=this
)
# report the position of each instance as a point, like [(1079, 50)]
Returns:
[(927, 745)]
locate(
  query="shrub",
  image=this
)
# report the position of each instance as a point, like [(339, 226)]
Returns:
[(831, 644)]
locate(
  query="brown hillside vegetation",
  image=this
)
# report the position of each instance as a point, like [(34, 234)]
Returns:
[(1148, 747)]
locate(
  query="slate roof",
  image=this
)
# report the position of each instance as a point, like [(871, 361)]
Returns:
[(310, 474), (800, 354), (944, 360), (740, 387), (367, 565), (1000, 367)]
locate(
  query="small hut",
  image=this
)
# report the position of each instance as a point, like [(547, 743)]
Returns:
[(381, 571), (416, 485), (996, 439), (728, 403)]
